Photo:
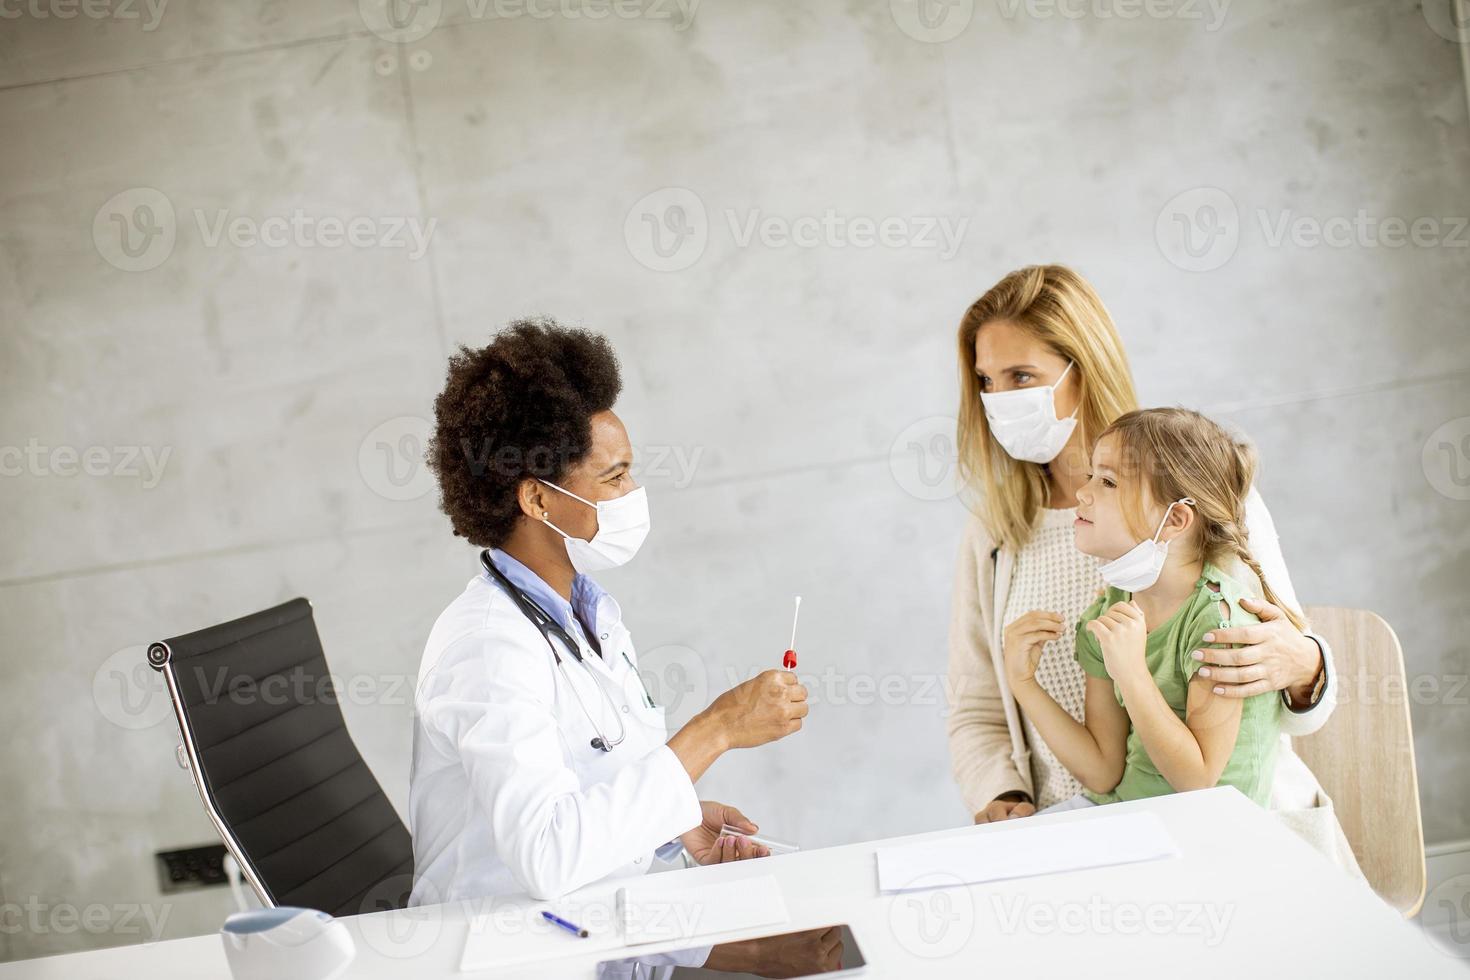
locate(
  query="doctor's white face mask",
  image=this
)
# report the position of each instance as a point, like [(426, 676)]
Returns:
[(1139, 567), (1025, 421), (622, 524)]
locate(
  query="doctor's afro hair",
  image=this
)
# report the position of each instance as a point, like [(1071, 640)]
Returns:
[(518, 408)]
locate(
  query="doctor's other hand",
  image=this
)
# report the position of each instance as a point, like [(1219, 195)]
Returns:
[(796, 954), (1007, 806), (769, 706), (705, 844)]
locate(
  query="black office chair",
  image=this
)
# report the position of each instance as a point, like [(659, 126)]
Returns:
[(279, 775)]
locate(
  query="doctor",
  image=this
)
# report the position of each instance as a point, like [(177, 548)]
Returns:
[(541, 763)]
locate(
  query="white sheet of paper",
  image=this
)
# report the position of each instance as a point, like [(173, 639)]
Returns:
[(653, 911), (514, 936), (1021, 852)]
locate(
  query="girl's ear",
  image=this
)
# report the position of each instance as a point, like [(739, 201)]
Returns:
[(532, 497), (1181, 518)]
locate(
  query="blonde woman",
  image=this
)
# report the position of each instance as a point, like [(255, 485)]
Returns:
[(1042, 374)]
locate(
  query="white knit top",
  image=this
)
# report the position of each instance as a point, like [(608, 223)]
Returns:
[(1050, 574)]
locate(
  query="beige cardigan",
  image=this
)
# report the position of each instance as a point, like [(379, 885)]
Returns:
[(987, 744)]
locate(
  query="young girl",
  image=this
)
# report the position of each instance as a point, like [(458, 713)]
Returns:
[(1164, 506)]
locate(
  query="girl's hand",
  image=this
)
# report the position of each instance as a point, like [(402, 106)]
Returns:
[(1023, 640), (1123, 635)]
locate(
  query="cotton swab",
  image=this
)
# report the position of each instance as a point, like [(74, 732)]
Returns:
[(789, 660)]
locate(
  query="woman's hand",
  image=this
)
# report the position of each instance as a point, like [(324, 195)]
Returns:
[(1123, 636), (1022, 642), (1002, 808), (1274, 657), (705, 844)]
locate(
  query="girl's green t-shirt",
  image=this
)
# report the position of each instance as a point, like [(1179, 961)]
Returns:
[(1168, 651)]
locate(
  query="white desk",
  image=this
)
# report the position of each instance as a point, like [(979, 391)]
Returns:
[(1246, 899)]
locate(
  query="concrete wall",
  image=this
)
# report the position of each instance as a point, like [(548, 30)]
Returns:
[(246, 397)]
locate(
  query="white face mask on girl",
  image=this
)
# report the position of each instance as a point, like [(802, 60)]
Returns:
[(1025, 421), (1139, 567), (622, 524)]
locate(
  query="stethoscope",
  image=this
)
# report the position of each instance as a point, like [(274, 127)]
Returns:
[(549, 627)]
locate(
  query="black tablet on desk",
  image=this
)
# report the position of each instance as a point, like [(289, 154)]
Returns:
[(813, 946)]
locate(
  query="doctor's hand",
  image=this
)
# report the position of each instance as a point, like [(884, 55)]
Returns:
[(769, 706), (705, 844), (796, 954)]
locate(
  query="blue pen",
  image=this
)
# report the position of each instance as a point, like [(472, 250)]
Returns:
[(568, 926)]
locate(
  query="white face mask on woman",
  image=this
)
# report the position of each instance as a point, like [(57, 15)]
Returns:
[(1025, 421), (622, 524), (1140, 566)]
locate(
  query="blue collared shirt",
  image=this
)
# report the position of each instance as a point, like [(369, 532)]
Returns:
[(587, 597)]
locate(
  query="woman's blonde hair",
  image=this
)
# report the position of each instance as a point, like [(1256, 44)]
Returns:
[(1062, 310), (1176, 453)]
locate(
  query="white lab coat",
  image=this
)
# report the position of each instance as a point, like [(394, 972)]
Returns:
[(506, 794)]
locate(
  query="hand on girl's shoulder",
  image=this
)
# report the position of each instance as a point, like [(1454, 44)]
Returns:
[(1224, 611)]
